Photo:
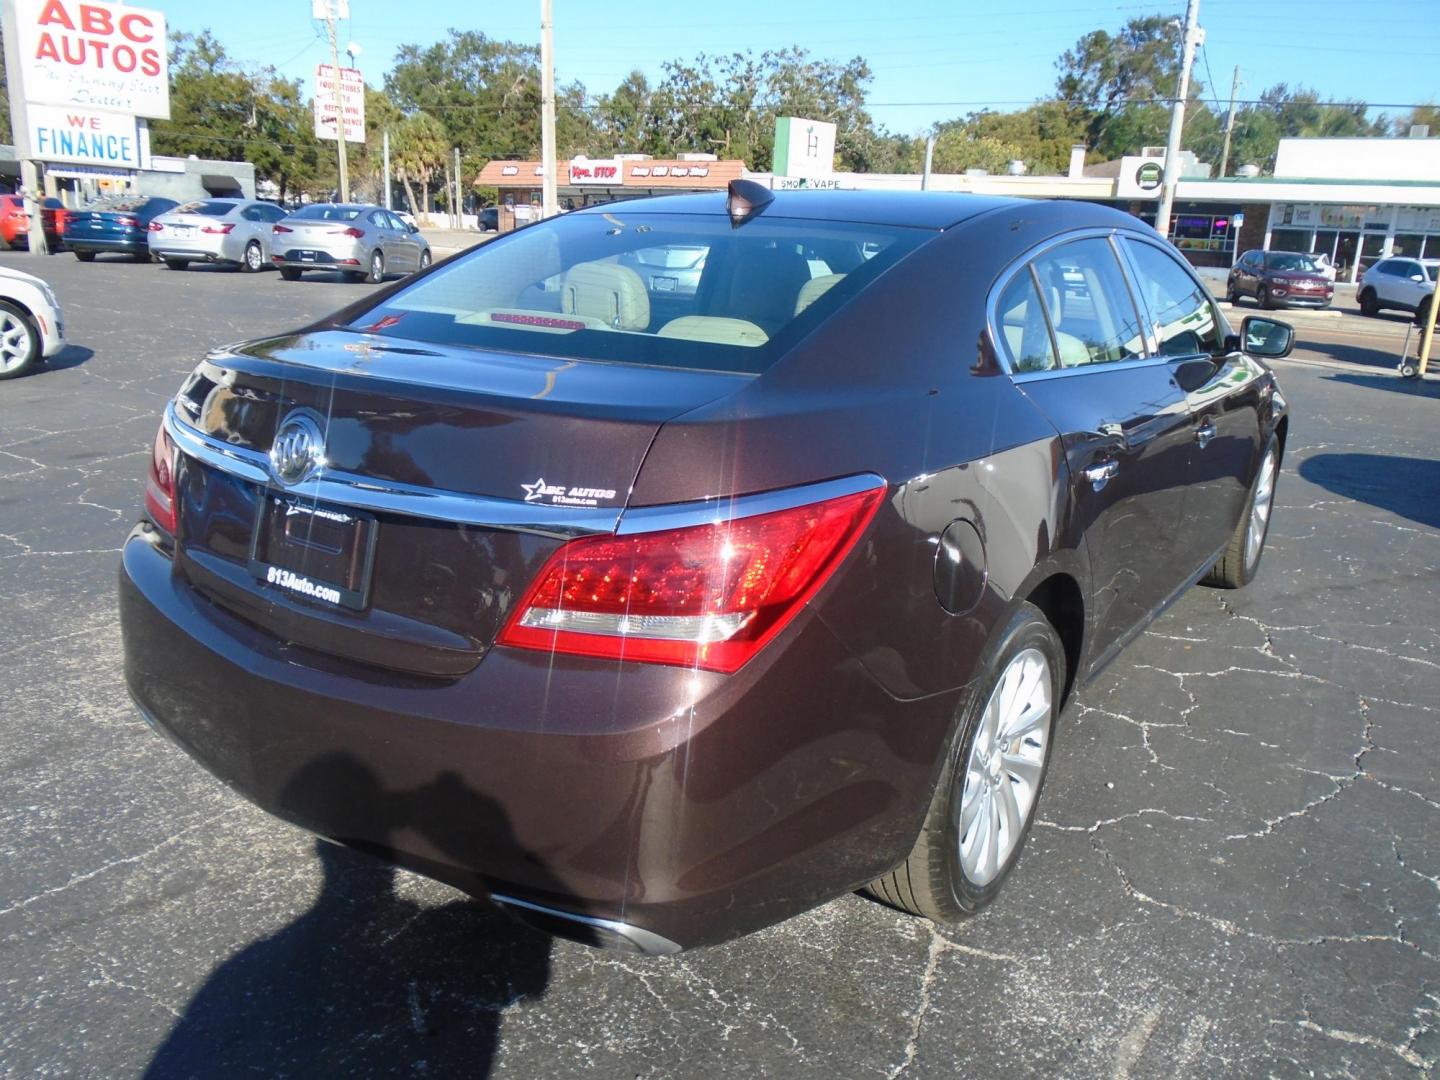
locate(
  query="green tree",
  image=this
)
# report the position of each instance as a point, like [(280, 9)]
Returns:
[(418, 149), (1428, 114)]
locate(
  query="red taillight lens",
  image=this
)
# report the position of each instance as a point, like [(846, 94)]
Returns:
[(708, 596), (155, 226), (160, 484), (222, 230), (127, 222), (281, 228), (352, 232)]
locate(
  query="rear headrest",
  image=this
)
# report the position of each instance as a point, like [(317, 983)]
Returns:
[(606, 291), (815, 288), (715, 329)]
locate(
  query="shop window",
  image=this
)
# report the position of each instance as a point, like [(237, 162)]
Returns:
[(1201, 232), (1411, 244), (1290, 239)]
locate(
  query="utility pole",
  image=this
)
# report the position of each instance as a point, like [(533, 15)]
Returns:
[(459, 201), (550, 203), (1229, 123), (929, 159), (1188, 42), (385, 155), (339, 103)]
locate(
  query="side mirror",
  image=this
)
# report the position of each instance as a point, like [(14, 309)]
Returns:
[(413, 227), (1417, 277), (1268, 338)]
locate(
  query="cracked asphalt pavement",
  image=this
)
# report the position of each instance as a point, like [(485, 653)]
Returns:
[(1236, 871)]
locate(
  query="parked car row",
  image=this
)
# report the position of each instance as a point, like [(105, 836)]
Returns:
[(362, 241)]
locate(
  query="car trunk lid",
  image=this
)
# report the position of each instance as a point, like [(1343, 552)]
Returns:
[(449, 476)]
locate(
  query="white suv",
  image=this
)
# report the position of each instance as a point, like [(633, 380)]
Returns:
[(1398, 282)]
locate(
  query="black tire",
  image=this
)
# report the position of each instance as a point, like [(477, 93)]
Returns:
[(1265, 299), (5, 245), (1422, 313), (425, 260), (254, 258), (932, 881), (1369, 303), (1235, 569), (376, 269), (14, 318), (142, 257), (290, 273), (85, 256), (177, 264), (1232, 295)]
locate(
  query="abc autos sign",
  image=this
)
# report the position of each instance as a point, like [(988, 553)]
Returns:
[(89, 56)]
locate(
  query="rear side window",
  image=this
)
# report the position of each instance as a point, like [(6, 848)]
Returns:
[(1023, 326), (668, 290), (1183, 318), (1090, 307)]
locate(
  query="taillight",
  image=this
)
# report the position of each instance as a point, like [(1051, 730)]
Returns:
[(706, 596), (160, 483), (221, 230), (352, 231), (280, 228), (127, 222), (155, 226)]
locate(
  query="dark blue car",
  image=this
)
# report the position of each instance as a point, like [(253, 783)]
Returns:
[(116, 224)]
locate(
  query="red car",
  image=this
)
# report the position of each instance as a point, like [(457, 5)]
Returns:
[(15, 222)]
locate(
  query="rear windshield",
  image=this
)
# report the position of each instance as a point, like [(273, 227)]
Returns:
[(1293, 261), (209, 207), (667, 290), (326, 212)]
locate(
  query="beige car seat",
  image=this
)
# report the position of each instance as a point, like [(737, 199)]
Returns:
[(714, 329), (815, 288), (613, 294)]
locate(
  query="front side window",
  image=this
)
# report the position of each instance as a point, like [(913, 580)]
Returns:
[(1091, 311), (667, 290), (1180, 311)]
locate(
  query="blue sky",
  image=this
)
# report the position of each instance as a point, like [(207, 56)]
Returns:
[(999, 55)]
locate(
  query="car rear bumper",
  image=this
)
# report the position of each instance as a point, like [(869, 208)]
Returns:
[(132, 245), (192, 249), (348, 258), (636, 806)]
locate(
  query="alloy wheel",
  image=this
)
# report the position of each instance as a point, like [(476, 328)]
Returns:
[(253, 256), (1260, 507), (1006, 763), (16, 342)]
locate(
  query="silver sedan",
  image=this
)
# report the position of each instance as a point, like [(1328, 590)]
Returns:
[(233, 232), (364, 242)]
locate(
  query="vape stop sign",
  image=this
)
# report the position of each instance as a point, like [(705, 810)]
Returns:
[(92, 56)]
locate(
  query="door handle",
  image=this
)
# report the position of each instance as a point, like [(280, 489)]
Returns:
[(1100, 475), (1204, 433)]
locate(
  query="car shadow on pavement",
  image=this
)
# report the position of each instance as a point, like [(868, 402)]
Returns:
[(1387, 358), (69, 357), (367, 981), (1404, 486)]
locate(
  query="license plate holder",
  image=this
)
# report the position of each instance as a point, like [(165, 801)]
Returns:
[(323, 554)]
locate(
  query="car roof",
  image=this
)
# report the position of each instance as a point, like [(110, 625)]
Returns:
[(914, 209)]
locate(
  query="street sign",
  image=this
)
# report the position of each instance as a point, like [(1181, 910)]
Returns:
[(89, 55), (352, 100)]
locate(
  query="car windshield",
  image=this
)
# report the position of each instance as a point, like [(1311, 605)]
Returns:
[(668, 290), (326, 212), (1293, 261), (208, 207)]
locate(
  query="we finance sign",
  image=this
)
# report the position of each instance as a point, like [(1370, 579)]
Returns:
[(93, 56), (107, 139)]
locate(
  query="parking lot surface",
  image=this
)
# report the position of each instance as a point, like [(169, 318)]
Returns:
[(1236, 871)]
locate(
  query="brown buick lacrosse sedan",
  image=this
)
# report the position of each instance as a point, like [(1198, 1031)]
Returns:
[(665, 569)]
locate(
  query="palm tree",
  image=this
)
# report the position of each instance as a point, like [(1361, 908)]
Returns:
[(419, 151)]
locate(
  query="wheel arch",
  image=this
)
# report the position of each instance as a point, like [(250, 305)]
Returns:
[(1062, 602)]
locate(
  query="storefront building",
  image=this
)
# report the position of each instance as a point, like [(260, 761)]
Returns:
[(587, 181)]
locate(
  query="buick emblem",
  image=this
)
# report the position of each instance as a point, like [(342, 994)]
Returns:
[(298, 450)]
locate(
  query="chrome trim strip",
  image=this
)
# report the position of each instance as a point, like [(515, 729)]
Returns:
[(387, 496), (643, 519), (645, 941)]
